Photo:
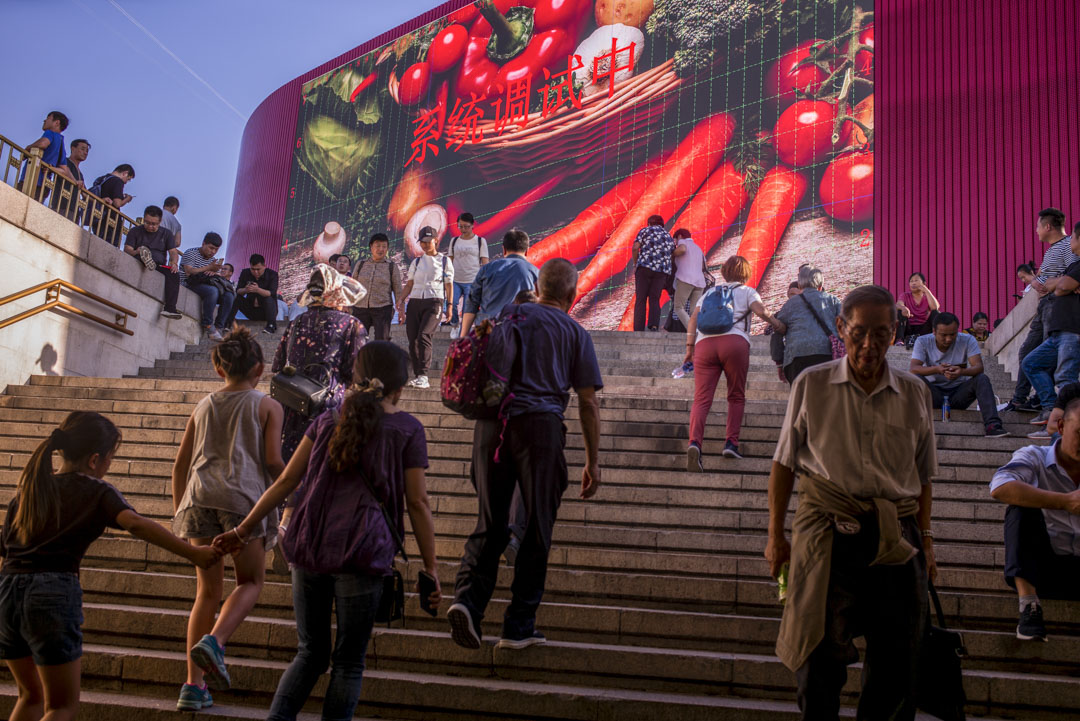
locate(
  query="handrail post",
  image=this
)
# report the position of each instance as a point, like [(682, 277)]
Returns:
[(33, 169)]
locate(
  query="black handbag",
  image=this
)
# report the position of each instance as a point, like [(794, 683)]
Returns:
[(301, 391), (941, 681), (392, 604)]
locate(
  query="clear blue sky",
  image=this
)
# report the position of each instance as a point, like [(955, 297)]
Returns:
[(139, 99)]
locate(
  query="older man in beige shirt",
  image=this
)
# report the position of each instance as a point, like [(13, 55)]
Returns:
[(860, 438)]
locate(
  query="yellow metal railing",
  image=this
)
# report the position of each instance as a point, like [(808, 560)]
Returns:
[(52, 289), (24, 169)]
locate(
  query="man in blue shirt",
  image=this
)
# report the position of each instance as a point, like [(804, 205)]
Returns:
[(51, 144), (526, 452), (499, 282)]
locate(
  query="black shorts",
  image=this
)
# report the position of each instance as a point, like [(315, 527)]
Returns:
[(41, 617)]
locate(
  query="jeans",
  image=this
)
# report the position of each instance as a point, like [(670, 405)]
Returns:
[(648, 285), (885, 604), (212, 296), (1036, 335), (800, 363), (684, 292), (727, 354), (531, 460), (254, 307), (461, 291), (377, 321), (172, 288), (422, 317), (41, 617), (1029, 555), (961, 396), (1055, 361), (357, 598)]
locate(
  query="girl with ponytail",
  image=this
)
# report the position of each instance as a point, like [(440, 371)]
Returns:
[(339, 541), (229, 456), (51, 521)]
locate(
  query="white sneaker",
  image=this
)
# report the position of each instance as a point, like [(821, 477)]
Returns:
[(422, 382), (213, 334)]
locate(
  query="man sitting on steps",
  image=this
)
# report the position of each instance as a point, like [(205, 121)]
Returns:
[(1041, 484), (950, 362), (158, 250)]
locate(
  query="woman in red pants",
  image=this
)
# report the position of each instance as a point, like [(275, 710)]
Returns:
[(726, 352)]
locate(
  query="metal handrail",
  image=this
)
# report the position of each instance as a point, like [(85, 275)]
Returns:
[(45, 184), (52, 290)]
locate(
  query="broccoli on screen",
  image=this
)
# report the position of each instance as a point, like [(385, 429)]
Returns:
[(698, 27)]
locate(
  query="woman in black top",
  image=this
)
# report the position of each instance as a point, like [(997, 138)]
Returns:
[(50, 523)]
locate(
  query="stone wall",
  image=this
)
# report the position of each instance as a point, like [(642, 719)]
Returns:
[(1005, 341), (37, 245)]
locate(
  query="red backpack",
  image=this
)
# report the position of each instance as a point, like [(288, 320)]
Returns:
[(476, 373)]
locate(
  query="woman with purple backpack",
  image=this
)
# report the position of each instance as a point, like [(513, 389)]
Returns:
[(718, 341)]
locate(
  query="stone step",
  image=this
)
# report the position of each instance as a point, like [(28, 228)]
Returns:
[(412, 694)]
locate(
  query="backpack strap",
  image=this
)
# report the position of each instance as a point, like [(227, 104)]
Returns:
[(817, 317)]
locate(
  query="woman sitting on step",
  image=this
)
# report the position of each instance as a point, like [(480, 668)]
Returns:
[(50, 523), (230, 454), (362, 467)]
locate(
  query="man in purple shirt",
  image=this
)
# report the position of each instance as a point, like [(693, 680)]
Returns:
[(526, 453)]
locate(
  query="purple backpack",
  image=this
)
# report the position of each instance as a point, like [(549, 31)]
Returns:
[(476, 373)]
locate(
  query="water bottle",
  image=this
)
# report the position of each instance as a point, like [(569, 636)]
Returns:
[(945, 410), (682, 370), (782, 582)]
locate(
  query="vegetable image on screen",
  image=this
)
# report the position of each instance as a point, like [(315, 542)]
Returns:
[(747, 122)]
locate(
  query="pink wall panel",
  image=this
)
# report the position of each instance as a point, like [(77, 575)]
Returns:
[(974, 135), (262, 178)]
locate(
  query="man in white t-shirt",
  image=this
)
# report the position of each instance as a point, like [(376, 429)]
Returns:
[(170, 208), (950, 362), (467, 251), (689, 274)]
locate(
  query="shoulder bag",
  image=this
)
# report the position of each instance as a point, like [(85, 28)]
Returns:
[(303, 390), (941, 682), (392, 603), (839, 350)]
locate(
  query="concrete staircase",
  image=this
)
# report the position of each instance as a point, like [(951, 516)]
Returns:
[(658, 604)]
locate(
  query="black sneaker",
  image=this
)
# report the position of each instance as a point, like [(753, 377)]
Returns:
[(995, 430), (463, 627), (731, 450), (1027, 406), (693, 459), (517, 644), (270, 328), (1031, 626)]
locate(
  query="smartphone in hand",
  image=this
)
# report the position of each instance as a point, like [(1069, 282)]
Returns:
[(426, 582)]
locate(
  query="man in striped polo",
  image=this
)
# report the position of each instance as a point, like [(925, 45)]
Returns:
[(1050, 229), (198, 272)]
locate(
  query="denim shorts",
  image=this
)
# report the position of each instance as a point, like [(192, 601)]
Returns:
[(199, 522), (41, 616)]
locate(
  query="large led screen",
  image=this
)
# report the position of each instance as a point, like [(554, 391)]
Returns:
[(747, 122)]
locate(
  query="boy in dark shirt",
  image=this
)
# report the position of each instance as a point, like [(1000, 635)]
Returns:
[(111, 191), (158, 250)]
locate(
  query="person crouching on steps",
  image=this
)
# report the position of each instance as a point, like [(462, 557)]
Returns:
[(50, 523), (230, 454)]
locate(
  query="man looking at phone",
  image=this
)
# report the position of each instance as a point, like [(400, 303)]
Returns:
[(157, 249), (199, 272), (950, 362), (256, 294)]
